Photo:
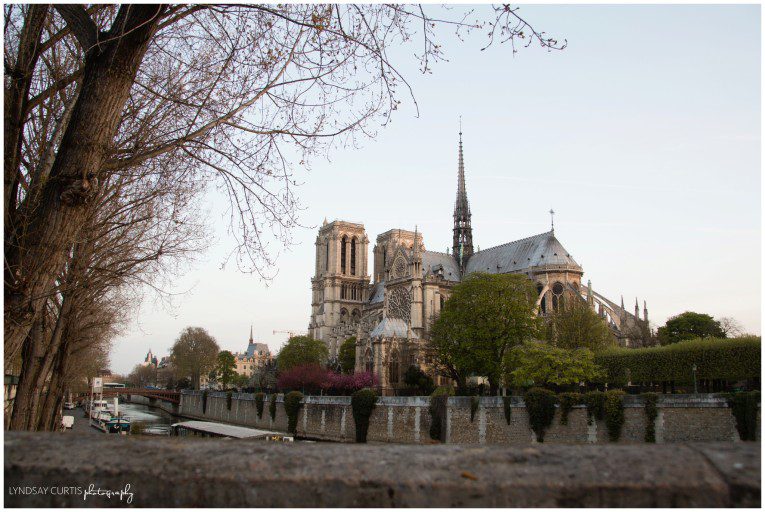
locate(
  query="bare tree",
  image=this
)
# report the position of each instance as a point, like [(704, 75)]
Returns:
[(117, 116), (731, 327)]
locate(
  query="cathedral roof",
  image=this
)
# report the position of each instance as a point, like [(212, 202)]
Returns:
[(432, 260), (389, 327), (256, 347), (534, 251), (378, 293)]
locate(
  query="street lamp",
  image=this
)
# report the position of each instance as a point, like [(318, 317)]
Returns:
[(695, 388)]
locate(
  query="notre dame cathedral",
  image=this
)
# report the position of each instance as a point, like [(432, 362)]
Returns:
[(389, 312)]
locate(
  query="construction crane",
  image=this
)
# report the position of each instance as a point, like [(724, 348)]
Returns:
[(291, 334)]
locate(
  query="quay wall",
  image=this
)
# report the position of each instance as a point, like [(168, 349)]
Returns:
[(681, 418), (173, 409)]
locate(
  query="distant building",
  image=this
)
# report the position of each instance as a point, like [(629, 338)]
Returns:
[(256, 356), (150, 359)]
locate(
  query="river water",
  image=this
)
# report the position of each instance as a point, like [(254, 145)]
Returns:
[(149, 420)]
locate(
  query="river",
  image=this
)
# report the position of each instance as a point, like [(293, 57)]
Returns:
[(148, 420)]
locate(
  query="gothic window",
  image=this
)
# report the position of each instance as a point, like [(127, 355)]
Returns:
[(393, 368), (343, 316), (353, 256), (442, 302), (326, 258), (342, 254), (399, 303), (368, 365), (399, 267), (543, 302), (557, 297), (384, 267), (342, 291)]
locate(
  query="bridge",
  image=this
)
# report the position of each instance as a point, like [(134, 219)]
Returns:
[(174, 397)]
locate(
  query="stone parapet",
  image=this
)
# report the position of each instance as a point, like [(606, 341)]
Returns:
[(182, 472)]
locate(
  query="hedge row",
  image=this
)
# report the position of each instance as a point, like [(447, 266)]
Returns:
[(727, 359)]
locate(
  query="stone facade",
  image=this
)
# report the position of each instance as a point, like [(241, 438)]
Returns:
[(390, 312)]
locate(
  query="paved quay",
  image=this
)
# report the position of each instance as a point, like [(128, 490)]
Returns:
[(173, 472)]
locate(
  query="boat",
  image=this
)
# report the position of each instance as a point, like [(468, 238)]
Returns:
[(102, 415)]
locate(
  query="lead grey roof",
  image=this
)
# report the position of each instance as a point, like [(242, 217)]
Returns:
[(389, 327), (431, 260), (256, 347), (534, 251), (378, 293)]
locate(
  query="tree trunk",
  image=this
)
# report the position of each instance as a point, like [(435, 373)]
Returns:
[(15, 102), (33, 354), (36, 253)]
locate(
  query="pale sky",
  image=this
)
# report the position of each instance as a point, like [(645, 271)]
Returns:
[(643, 135)]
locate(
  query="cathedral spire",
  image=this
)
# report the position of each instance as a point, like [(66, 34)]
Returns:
[(250, 333), (462, 246)]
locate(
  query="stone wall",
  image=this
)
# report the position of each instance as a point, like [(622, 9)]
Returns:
[(407, 420), (195, 472), (154, 402)]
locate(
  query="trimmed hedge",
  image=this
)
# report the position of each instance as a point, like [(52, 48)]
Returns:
[(259, 400), (744, 406), (272, 407), (362, 403), (614, 412), (596, 405), (540, 406), (292, 404), (727, 359), (651, 412)]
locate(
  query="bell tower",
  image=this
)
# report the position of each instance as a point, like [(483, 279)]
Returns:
[(340, 283)]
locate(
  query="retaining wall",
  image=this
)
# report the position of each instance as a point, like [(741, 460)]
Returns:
[(680, 418), (173, 409)]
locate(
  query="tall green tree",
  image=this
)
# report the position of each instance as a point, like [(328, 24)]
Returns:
[(194, 353), (541, 364), (225, 368), (688, 326), (347, 355), (302, 350), (576, 325), (486, 315)]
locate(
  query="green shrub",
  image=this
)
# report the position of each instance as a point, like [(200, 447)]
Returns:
[(507, 406), (595, 402), (474, 403), (204, 402), (362, 403), (272, 407), (726, 359), (567, 402), (651, 411), (259, 400), (292, 403), (744, 406), (437, 409), (614, 412), (540, 406), (229, 397)]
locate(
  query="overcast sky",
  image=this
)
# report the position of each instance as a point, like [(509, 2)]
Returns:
[(643, 135)]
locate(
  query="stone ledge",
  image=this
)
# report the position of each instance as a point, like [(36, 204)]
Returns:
[(174, 472)]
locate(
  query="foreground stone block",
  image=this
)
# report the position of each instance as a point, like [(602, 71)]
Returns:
[(174, 472)]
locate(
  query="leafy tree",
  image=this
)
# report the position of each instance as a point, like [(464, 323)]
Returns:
[(416, 378), (225, 368), (142, 376), (690, 325), (486, 315), (347, 355), (576, 325), (302, 350), (241, 381), (542, 364), (194, 353)]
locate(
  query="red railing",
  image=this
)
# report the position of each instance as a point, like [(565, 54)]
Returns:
[(173, 397)]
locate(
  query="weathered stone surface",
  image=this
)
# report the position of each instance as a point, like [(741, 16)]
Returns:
[(226, 473)]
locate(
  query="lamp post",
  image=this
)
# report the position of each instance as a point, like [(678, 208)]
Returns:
[(695, 387)]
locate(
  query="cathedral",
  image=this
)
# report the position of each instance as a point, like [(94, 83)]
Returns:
[(389, 308)]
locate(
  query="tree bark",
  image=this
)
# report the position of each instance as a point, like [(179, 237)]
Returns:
[(36, 254)]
